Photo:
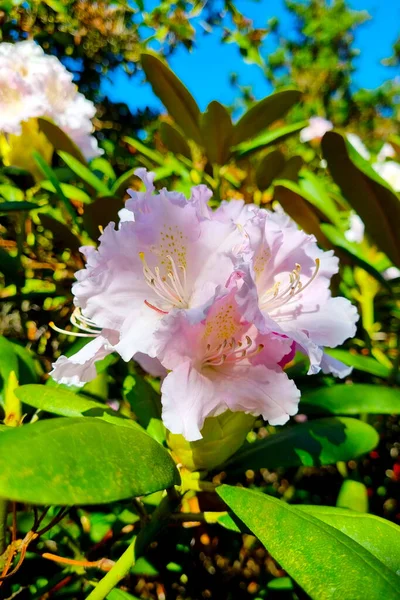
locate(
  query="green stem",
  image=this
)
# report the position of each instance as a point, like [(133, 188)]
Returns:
[(135, 549), (3, 524)]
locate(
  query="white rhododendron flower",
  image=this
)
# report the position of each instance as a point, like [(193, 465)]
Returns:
[(216, 302), (316, 129), (356, 231), (358, 145), (390, 172), (34, 84)]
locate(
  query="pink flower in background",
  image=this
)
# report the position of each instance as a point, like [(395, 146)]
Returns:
[(222, 363), (34, 84), (316, 129)]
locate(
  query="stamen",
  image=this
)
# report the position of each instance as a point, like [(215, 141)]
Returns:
[(72, 333), (171, 288), (162, 312), (275, 297), (87, 326), (235, 353)]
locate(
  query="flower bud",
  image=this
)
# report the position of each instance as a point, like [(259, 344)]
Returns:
[(222, 437)]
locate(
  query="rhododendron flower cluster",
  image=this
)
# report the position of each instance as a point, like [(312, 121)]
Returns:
[(215, 302), (34, 84)]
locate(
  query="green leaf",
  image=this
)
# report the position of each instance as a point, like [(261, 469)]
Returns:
[(295, 206), (359, 362), (269, 168), (51, 176), (100, 213), (70, 191), (116, 594), (173, 94), (146, 404), (353, 495), (377, 205), (70, 461), (84, 173), (353, 251), (351, 400), (313, 190), (325, 562), (6, 207), (11, 193), (377, 535), (28, 365), (291, 169), (153, 155), (174, 140), (319, 442), (263, 113), (104, 167), (217, 131), (268, 138), (8, 360), (59, 139)]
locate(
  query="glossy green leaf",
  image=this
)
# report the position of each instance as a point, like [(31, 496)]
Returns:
[(269, 168), (116, 594), (28, 366), (325, 562), (173, 94), (377, 535), (59, 139), (319, 442), (377, 205), (70, 191), (295, 206), (351, 400), (263, 113), (353, 251), (100, 213), (269, 137), (353, 495), (217, 131), (8, 361), (69, 461), (146, 404), (84, 173), (11, 193), (174, 140), (6, 207), (102, 165), (359, 362), (314, 191)]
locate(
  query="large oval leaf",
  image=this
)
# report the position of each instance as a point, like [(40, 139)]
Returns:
[(266, 139), (100, 213), (173, 94), (351, 400), (325, 562), (379, 536), (174, 140), (263, 113), (319, 442), (71, 461), (59, 401), (269, 168), (368, 364), (217, 130), (369, 195)]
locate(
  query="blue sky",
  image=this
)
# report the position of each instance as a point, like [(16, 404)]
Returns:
[(205, 70)]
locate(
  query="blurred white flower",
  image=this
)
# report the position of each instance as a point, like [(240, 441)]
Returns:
[(316, 129), (355, 233), (391, 273), (34, 84), (390, 172), (358, 145), (387, 151)]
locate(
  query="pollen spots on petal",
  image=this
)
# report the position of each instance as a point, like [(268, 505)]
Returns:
[(222, 325), (173, 243), (261, 261)]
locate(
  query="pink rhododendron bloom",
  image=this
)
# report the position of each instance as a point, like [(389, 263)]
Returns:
[(316, 129), (222, 363), (165, 255), (289, 277), (34, 84)]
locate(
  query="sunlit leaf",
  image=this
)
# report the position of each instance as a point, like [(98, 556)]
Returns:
[(173, 94), (353, 495), (353, 399), (359, 362), (266, 139), (84, 173), (67, 461), (323, 560), (263, 113)]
